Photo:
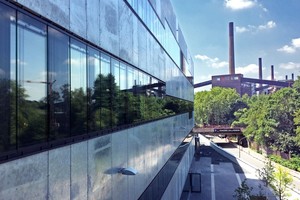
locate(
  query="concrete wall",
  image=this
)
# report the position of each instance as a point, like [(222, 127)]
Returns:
[(176, 185), (89, 169)]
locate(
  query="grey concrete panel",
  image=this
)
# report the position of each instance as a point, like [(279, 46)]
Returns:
[(135, 47), (56, 10), (140, 159), (79, 171), (119, 161), (135, 155), (109, 23), (142, 35), (93, 21), (126, 32), (59, 173), (78, 16), (99, 168), (149, 49), (19, 177)]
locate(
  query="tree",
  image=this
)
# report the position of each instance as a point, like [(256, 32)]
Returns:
[(266, 174), (243, 192), (216, 106), (282, 179)]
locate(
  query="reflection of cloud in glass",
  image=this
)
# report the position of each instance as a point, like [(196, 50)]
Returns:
[(13, 62), (2, 72)]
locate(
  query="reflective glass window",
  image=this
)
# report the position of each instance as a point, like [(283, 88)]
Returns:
[(94, 91), (32, 81), (7, 78), (105, 87), (115, 92), (130, 96), (123, 95), (78, 88), (58, 84)]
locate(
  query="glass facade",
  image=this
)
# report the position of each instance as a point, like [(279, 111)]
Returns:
[(55, 86)]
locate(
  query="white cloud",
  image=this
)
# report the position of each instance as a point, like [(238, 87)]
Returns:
[(239, 4), (249, 69), (212, 62), (295, 44), (251, 28), (269, 25), (241, 29), (287, 49), (289, 66)]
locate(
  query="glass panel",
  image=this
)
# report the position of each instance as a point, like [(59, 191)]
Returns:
[(136, 97), (32, 79), (94, 92), (7, 78), (130, 97), (78, 88), (123, 95), (59, 84), (115, 91), (105, 87)]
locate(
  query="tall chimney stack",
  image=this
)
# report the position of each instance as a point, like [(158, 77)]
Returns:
[(231, 49), (272, 72), (286, 77), (259, 68), (260, 73), (292, 76)]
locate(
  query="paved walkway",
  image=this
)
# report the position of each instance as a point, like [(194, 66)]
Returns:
[(220, 176), (258, 161)]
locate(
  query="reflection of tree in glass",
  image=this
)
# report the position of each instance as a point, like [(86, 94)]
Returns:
[(59, 112), (102, 103), (7, 115), (31, 121), (78, 112)]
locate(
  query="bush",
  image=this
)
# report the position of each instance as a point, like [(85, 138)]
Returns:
[(293, 163)]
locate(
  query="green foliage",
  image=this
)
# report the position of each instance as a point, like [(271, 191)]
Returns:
[(271, 120), (282, 179), (293, 163), (266, 174), (243, 192), (216, 106)]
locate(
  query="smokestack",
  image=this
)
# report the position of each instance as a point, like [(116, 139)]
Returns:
[(286, 77), (272, 72), (259, 68), (292, 76), (231, 49)]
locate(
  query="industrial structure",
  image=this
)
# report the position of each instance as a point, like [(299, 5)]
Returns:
[(96, 100), (241, 84)]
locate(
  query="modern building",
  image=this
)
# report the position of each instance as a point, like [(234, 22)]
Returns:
[(96, 100)]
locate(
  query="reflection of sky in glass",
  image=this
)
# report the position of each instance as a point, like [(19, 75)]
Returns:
[(93, 66), (32, 58), (105, 64), (130, 79), (78, 65), (13, 50), (122, 76), (116, 72)]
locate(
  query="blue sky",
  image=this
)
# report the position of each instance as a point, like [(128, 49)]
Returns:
[(269, 29)]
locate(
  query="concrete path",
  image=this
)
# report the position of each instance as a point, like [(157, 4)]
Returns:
[(220, 176)]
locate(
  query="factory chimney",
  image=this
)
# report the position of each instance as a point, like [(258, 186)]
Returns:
[(292, 76), (259, 68), (286, 77), (272, 72), (260, 73), (231, 49)]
